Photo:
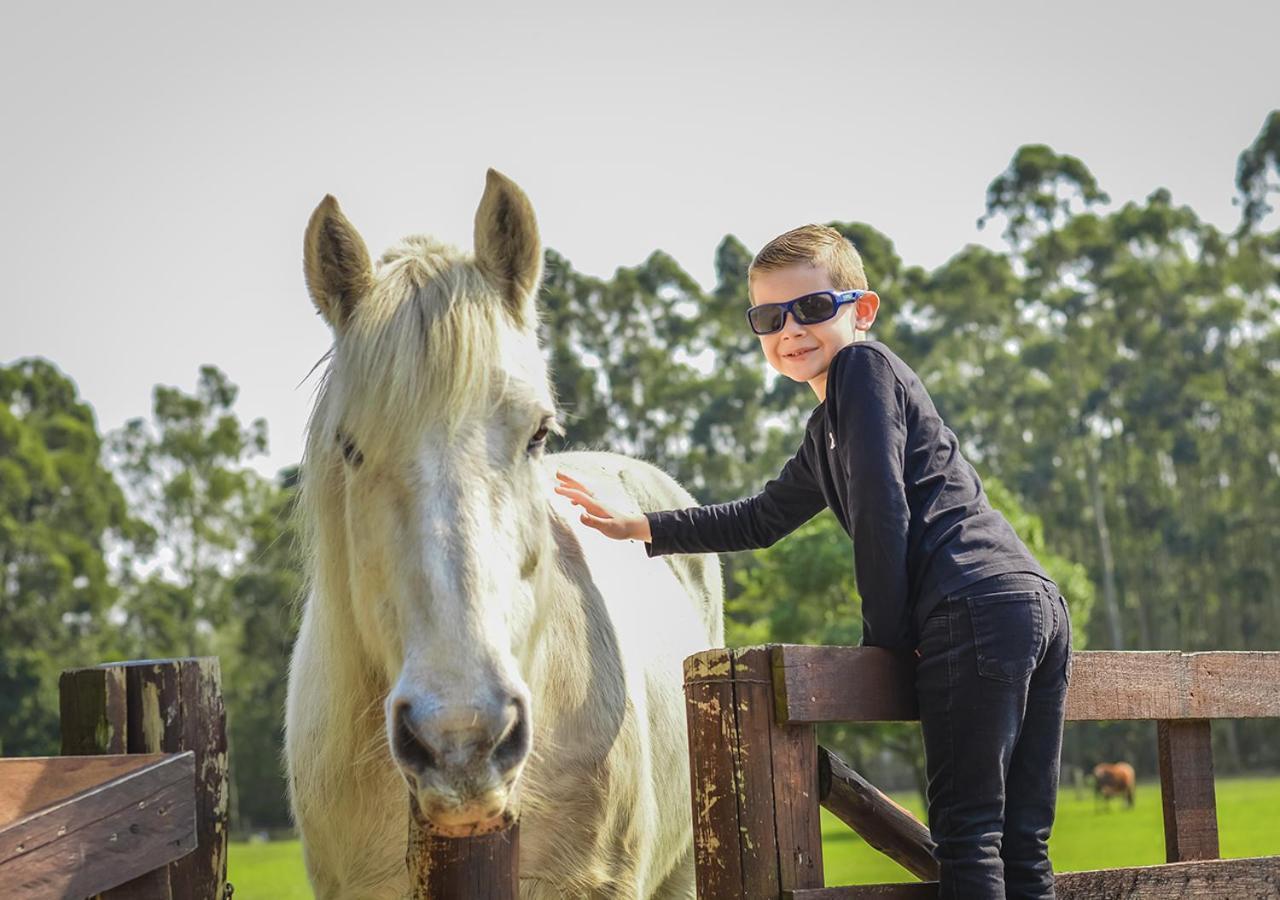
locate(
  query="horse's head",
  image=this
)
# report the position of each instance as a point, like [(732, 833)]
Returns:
[(426, 492)]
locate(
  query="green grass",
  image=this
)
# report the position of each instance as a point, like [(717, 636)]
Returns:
[(1085, 838), (1082, 839), (270, 870)]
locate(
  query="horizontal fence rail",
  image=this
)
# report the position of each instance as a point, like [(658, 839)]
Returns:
[(869, 684)]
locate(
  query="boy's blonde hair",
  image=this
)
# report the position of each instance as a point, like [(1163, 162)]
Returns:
[(814, 245)]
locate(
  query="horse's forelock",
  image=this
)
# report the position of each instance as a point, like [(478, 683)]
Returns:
[(421, 351)]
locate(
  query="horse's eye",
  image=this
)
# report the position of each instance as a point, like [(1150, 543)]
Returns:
[(539, 438), (350, 452)]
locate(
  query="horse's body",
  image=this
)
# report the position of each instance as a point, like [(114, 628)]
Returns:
[(451, 586)]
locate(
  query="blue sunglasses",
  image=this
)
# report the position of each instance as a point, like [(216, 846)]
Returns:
[(807, 310)]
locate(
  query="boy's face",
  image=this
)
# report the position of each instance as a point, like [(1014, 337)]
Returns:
[(803, 352)]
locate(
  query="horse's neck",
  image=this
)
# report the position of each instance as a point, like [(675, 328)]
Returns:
[(573, 665)]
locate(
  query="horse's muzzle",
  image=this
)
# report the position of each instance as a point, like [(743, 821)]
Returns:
[(460, 761)]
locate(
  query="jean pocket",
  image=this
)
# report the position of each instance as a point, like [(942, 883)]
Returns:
[(1008, 628)]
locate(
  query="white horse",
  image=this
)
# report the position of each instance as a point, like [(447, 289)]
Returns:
[(465, 638)]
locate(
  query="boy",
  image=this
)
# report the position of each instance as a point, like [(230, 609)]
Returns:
[(938, 569)]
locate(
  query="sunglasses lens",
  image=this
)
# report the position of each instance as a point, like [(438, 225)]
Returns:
[(765, 319), (815, 308)]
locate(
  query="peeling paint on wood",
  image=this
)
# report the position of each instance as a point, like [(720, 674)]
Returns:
[(707, 666)]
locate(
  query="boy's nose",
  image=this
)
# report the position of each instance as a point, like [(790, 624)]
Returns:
[(791, 326)]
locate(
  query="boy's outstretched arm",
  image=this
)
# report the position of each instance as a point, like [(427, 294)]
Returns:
[(785, 503)]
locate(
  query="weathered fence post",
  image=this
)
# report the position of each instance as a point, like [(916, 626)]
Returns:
[(756, 826), (482, 864), (160, 706)]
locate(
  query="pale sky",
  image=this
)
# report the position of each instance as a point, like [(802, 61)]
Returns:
[(158, 163)]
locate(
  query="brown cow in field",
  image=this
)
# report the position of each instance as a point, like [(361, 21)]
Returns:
[(1113, 780)]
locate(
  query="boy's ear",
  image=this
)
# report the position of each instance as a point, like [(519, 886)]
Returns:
[(864, 310)]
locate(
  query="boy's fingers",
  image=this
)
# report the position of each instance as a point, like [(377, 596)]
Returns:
[(586, 501), (572, 482), (572, 493)]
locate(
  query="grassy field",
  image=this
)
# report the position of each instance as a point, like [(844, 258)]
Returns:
[(1082, 839)]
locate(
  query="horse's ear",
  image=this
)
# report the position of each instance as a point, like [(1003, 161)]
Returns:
[(508, 249), (336, 263)]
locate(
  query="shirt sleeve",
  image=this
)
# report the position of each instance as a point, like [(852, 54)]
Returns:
[(869, 407), (785, 503)]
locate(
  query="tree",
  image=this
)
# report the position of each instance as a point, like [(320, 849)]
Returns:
[(187, 478), (223, 575), (59, 511), (1258, 173), (254, 645)]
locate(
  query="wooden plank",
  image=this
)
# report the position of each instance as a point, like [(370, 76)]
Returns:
[(477, 865), (103, 835), (1105, 685), (1186, 789), (1236, 879), (1173, 685), (880, 821), (797, 815), (753, 771), (709, 709), (31, 783)]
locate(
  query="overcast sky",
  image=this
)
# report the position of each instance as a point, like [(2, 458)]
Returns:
[(158, 163)]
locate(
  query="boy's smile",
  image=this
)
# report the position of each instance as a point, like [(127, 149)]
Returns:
[(804, 352)]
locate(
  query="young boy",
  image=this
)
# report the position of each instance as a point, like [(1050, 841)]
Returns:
[(939, 570)]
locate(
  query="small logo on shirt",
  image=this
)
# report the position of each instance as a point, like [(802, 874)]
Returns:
[(831, 440)]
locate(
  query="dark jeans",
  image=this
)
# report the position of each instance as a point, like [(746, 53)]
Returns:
[(991, 678)]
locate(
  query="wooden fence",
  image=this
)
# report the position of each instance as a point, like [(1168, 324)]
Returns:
[(136, 807), (759, 777)]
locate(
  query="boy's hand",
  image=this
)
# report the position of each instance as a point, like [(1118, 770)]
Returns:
[(600, 517)]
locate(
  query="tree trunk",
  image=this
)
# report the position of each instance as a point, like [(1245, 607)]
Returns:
[(1110, 601)]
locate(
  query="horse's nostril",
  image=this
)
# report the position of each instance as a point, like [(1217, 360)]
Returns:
[(410, 748), (515, 745)]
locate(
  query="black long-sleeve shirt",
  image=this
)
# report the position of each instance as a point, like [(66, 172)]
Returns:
[(877, 454)]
